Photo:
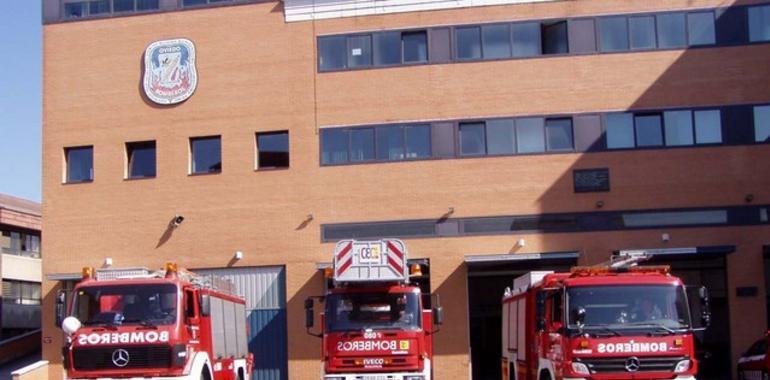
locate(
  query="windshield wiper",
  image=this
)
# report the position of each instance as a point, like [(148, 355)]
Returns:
[(604, 328), (656, 325), (142, 322), (111, 325)]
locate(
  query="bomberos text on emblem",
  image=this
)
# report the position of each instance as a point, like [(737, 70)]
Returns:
[(170, 76)]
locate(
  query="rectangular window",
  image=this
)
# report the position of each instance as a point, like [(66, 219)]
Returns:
[(559, 134), (530, 135), (613, 33), (649, 131), (80, 164), (206, 155), (273, 150), (472, 139), (501, 136), (708, 127), (75, 10), (141, 159), (99, 7), (496, 41), (468, 42), (359, 51), (759, 23), (123, 5), (331, 53), (671, 30), (390, 143), (146, 5), (701, 29), (642, 32), (679, 130), (620, 131), (417, 141), (415, 45), (555, 40), (762, 124), (387, 48), (526, 39), (361, 144), (674, 218), (190, 3), (334, 146)]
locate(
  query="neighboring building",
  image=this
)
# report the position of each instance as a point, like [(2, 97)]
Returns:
[(495, 137), (20, 267)]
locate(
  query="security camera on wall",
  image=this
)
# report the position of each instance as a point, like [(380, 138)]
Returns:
[(178, 219)]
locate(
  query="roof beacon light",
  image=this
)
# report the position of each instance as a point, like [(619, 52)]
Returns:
[(329, 272), (415, 270), (87, 272), (171, 269)]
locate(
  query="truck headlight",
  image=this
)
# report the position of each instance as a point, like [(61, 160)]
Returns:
[(682, 366), (580, 368), (420, 377)]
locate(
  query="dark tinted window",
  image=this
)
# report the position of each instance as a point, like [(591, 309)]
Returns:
[(331, 53), (620, 130), (123, 5), (559, 134), (526, 39), (496, 41), (387, 48), (671, 30), (390, 143), (759, 23), (555, 38), (361, 144), (141, 159), (468, 43), (378, 230), (642, 32), (334, 146), (145, 5), (700, 28), (206, 154), (100, 6), (74, 10), (648, 130), (501, 137), (188, 3), (472, 139), (417, 141), (679, 129), (273, 150), (530, 137), (613, 33), (762, 124), (415, 46), (359, 51), (708, 127), (80, 163)]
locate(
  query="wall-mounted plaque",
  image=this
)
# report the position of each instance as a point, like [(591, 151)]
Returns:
[(591, 180), (170, 76)]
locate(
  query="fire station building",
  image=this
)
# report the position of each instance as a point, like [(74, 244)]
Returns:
[(494, 137)]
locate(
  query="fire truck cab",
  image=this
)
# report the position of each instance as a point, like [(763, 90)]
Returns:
[(169, 324), (374, 326), (613, 321)]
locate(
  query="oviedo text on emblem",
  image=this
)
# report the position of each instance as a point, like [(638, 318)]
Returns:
[(170, 76)]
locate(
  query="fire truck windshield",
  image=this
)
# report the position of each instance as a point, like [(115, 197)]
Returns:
[(361, 311), (615, 308), (125, 304)]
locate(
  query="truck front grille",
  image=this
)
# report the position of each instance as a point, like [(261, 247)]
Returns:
[(645, 364), (96, 358)]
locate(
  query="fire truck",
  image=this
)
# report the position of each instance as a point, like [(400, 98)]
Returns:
[(374, 324), (617, 320), (169, 324)]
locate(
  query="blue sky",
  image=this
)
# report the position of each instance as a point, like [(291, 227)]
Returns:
[(20, 98)]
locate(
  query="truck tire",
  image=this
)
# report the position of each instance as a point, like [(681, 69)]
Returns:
[(205, 375), (545, 375)]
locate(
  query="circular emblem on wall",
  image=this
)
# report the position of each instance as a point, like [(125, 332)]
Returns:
[(120, 357), (170, 76)]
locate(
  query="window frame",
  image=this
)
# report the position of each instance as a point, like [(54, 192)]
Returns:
[(257, 166), (402, 127), (86, 6), (66, 177), (127, 174), (191, 171)]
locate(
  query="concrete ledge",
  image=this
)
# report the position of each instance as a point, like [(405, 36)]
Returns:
[(34, 371)]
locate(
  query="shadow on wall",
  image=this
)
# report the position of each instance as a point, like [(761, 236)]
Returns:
[(453, 337), (301, 345)]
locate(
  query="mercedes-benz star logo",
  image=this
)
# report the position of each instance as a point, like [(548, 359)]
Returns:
[(120, 357), (632, 364)]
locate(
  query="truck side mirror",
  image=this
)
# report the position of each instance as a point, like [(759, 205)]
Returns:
[(61, 306), (438, 315), (579, 316), (703, 293), (540, 311), (309, 316), (205, 304)]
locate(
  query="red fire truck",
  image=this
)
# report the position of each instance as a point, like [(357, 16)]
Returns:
[(374, 326), (611, 321), (170, 324)]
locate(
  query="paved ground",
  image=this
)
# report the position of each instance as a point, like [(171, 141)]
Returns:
[(5, 370)]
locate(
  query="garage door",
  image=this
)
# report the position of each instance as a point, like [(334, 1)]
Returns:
[(265, 292)]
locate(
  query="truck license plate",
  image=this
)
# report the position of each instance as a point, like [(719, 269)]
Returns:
[(375, 377)]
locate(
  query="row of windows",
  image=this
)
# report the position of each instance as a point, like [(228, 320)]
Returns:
[(669, 30), (533, 135), (492, 137), (20, 244), (97, 8), (21, 292), (205, 157)]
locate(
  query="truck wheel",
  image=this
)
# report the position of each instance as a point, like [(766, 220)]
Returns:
[(764, 376), (545, 375)]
